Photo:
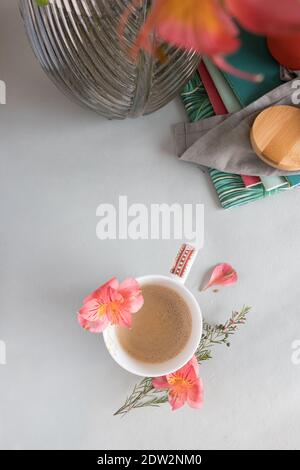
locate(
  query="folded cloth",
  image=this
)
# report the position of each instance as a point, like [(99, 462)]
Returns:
[(230, 187), (220, 109), (223, 142)]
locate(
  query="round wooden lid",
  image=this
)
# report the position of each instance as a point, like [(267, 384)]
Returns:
[(275, 137)]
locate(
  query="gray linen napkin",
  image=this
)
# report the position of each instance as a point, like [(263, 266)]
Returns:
[(223, 142)]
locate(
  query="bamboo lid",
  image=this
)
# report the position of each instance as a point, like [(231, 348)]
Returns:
[(275, 137)]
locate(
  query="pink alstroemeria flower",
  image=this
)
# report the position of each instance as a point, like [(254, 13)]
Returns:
[(201, 25), (111, 303), (184, 385), (208, 26)]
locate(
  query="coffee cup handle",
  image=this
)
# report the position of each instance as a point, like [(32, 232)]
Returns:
[(183, 262)]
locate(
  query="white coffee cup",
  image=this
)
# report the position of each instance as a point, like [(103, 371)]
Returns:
[(175, 281)]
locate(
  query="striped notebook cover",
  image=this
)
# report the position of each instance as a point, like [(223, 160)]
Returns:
[(230, 187)]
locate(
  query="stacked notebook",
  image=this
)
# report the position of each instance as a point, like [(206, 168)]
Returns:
[(212, 91)]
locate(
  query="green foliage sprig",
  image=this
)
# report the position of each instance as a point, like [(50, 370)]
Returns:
[(144, 394)]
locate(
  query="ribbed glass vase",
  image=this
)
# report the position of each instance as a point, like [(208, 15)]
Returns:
[(77, 44)]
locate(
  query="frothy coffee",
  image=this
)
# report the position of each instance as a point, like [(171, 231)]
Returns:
[(161, 329)]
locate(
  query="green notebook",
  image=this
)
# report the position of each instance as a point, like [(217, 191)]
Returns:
[(254, 57)]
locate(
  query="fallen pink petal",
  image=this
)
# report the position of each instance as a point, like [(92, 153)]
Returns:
[(223, 275)]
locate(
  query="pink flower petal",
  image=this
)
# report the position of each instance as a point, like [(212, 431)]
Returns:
[(223, 40), (190, 374), (221, 62), (132, 295), (130, 285), (115, 296), (222, 275), (160, 383), (201, 25), (190, 369), (195, 364), (103, 292), (118, 315), (90, 310), (184, 386), (208, 27), (125, 319), (112, 303), (195, 395), (93, 326), (266, 17), (134, 303), (176, 401)]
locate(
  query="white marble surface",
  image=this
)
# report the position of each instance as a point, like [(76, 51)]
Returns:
[(59, 387)]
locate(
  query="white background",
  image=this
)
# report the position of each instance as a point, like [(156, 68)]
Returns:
[(60, 388)]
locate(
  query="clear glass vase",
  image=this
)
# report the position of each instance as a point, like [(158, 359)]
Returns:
[(77, 44)]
